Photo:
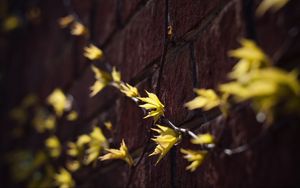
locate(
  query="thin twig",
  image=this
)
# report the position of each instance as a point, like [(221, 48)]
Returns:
[(249, 145), (178, 129)]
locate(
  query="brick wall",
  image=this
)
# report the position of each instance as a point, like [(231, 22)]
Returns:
[(131, 33)]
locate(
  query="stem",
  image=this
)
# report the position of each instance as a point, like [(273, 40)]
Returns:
[(263, 134), (182, 130), (236, 150)]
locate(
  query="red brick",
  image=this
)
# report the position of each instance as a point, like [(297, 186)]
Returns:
[(105, 20), (146, 175), (130, 119), (45, 57), (185, 15), (254, 166), (140, 42), (114, 53), (115, 176), (82, 9), (212, 46), (128, 8), (177, 84), (149, 175)]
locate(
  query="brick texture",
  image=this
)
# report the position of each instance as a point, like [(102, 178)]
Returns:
[(42, 57)]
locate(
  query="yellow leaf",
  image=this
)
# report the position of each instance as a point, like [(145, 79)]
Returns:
[(92, 52), (96, 144), (250, 52), (152, 104), (273, 5), (129, 90), (75, 149), (66, 21), (203, 139), (72, 116), (108, 125), (241, 68), (251, 58), (53, 145), (165, 140), (99, 74), (170, 32), (73, 165), (78, 29), (266, 88), (102, 80), (83, 139), (64, 179), (43, 121), (280, 77), (121, 153), (58, 101), (97, 87), (206, 99), (11, 23), (195, 157), (116, 75), (72, 150)]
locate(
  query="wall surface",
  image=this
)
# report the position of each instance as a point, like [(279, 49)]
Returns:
[(131, 33)]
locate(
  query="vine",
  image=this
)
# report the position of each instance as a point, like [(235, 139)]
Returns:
[(270, 90)]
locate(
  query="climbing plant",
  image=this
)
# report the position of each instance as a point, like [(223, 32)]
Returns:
[(254, 79)]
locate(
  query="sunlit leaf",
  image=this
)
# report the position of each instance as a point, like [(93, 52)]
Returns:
[(195, 157), (121, 153), (153, 105), (165, 140), (206, 99), (273, 5), (92, 52)]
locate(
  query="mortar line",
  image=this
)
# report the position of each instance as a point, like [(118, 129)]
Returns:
[(193, 65), (201, 27)]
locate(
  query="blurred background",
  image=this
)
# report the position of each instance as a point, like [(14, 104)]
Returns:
[(167, 47)]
